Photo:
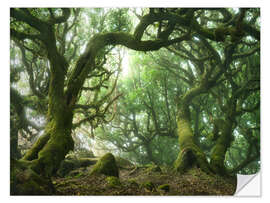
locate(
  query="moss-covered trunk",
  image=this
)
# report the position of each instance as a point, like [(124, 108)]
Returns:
[(224, 139), (59, 144), (59, 118), (45, 157), (31, 175), (190, 154), (32, 153)]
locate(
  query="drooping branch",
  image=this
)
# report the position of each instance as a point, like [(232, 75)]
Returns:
[(86, 62)]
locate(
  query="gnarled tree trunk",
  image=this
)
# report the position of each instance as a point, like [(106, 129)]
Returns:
[(224, 139), (190, 154)]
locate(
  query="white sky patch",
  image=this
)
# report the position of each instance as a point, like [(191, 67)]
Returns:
[(86, 18), (21, 86), (125, 64), (192, 68), (196, 39), (210, 24), (183, 65), (38, 120), (68, 37), (249, 38), (82, 49), (85, 141), (204, 119), (237, 134), (236, 10)]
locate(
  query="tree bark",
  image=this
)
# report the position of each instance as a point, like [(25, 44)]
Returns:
[(14, 151), (149, 153), (190, 154), (222, 144), (32, 153)]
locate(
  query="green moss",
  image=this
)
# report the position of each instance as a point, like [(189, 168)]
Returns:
[(106, 165), (164, 187), (217, 159), (189, 157), (153, 168), (185, 134), (190, 153), (66, 166), (211, 136), (24, 181), (113, 181), (59, 144), (76, 173), (185, 160), (148, 186), (219, 150), (51, 156), (33, 152)]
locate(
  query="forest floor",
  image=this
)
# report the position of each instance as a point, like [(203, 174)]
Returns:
[(151, 180)]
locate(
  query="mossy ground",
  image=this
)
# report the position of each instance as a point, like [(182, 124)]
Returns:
[(135, 181)]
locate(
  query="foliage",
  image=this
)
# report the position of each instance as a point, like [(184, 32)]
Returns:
[(194, 100)]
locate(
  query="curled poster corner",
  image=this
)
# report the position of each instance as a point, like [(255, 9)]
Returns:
[(248, 185)]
